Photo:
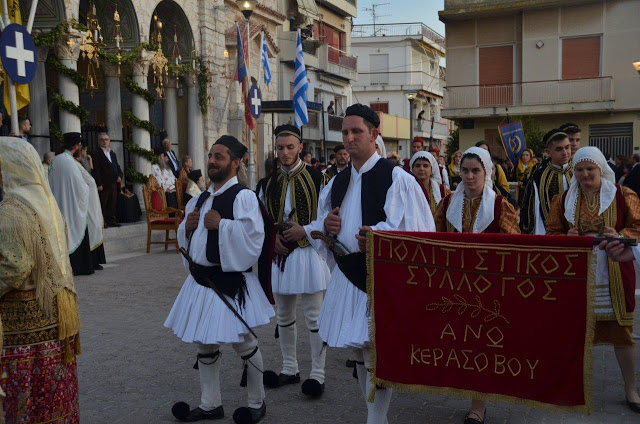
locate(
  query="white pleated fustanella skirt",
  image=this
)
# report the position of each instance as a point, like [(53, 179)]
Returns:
[(344, 318), (199, 316), (305, 272)]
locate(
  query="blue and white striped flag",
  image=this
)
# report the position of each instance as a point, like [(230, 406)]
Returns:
[(265, 60), (300, 86)]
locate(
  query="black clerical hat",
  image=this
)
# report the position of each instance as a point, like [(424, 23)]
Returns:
[(338, 148), (553, 135), (238, 149), (70, 139), (287, 129), (365, 112), (158, 151), (195, 175)]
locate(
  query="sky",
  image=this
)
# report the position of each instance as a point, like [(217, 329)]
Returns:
[(402, 11)]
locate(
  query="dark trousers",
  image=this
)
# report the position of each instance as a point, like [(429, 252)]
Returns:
[(108, 201)]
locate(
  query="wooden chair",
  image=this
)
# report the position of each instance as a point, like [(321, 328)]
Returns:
[(158, 214), (181, 188)]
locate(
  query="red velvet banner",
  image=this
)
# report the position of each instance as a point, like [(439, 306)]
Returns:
[(493, 316)]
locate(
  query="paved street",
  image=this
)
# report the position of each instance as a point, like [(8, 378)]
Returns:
[(133, 369)]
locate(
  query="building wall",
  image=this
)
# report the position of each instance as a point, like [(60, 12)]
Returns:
[(615, 21)]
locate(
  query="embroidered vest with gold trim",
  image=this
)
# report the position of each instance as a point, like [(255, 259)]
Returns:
[(304, 185), (622, 277)]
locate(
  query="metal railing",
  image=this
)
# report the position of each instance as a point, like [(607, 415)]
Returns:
[(530, 93), (340, 57), (396, 30)]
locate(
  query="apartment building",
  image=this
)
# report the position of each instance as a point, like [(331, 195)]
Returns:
[(394, 59), (559, 61), (331, 69)]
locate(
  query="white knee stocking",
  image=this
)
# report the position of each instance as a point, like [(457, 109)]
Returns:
[(209, 368), (249, 350), (311, 304), (286, 315), (377, 411)]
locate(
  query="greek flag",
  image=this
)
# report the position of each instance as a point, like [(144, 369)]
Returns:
[(265, 60), (300, 86)]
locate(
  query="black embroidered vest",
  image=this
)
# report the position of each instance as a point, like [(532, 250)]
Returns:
[(223, 204), (375, 184)]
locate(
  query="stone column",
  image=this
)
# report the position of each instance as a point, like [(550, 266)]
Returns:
[(38, 108), (195, 135), (67, 50), (170, 114), (140, 109), (113, 110)]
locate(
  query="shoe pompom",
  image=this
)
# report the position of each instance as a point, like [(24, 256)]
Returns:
[(270, 379), (242, 416), (180, 410), (312, 388)]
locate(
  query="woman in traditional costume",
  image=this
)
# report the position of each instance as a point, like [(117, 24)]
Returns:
[(595, 205), (474, 207), (425, 167), (38, 304), (525, 166), (454, 170)]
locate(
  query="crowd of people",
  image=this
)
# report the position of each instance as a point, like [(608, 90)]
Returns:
[(304, 227)]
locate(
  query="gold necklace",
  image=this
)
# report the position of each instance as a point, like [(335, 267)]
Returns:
[(592, 203)]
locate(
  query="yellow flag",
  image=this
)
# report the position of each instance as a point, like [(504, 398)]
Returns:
[(22, 90)]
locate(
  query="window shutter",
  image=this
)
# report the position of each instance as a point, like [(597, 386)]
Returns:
[(581, 57)]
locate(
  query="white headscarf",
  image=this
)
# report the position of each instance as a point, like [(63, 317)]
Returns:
[(607, 189), (380, 144), (485, 212), (435, 179)]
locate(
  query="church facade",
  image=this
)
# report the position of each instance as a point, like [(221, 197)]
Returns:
[(145, 70)]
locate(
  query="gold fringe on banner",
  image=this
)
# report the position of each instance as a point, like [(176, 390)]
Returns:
[(487, 397)]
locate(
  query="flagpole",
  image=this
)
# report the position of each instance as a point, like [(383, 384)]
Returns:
[(251, 166), (13, 102)]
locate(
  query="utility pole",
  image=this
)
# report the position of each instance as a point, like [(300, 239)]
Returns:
[(374, 14)]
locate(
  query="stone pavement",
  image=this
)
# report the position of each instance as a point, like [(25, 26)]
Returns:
[(133, 369)]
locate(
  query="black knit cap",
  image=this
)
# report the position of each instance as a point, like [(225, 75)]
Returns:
[(286, 130), (230, 142), (553, 135), (365, 112), (570, 128), (338, 148), (195, 175)]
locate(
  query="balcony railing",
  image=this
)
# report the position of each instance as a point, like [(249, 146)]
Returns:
[(340, 57), (335, 123), (396, 30), (424, 127), (530, 93)]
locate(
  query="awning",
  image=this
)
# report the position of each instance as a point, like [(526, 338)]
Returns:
[(286, 106), (309, 8)]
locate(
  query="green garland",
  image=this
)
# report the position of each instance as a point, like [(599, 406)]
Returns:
[(133, 176), (56, 135), (70, 107), (134, 148), (72, 74), (202, 88), (127, 57), (140, 91), (140, 123), (51, 37), (176, 70)]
